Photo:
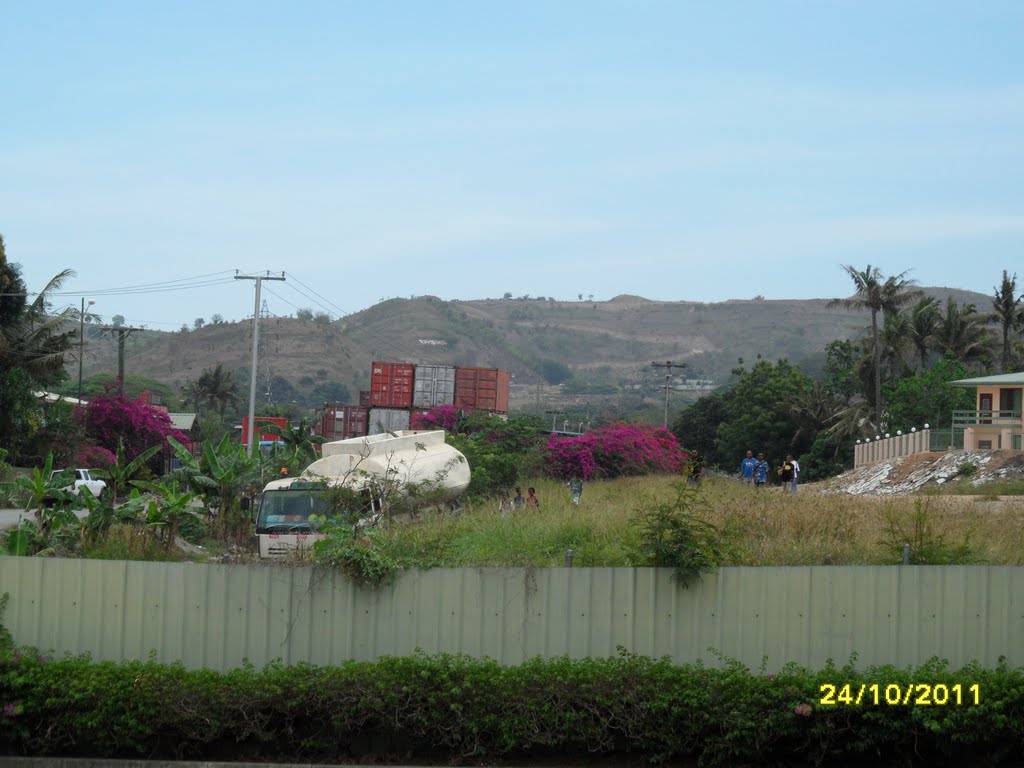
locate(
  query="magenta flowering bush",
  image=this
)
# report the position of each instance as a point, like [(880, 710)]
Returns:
[(111, 419), (616, 450), (95, 457), (439, 417)]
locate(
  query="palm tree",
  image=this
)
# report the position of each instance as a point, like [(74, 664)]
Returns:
[(924, 318), (219, 388), (1006, 309), (877, 295), (896, 342), (962, 333)]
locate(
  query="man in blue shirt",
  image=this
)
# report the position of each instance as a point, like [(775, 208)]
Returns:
[(760, 472), (747, 469)]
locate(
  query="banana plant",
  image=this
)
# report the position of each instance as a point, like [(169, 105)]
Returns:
[(221, 474), (165, 508), (47, 498), (119, 475)]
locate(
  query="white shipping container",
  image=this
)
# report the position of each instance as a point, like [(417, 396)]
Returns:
[(433, 385), (388, 420)]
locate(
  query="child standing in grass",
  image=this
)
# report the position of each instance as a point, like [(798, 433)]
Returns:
[(575, 489), (531, 498)]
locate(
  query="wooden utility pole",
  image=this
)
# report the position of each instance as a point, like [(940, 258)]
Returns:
[(123, 332), (668, 366), (255, 347)]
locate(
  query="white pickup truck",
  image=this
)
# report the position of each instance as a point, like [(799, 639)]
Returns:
[(82, 479)]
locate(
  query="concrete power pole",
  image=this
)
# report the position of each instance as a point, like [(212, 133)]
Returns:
[(668, 366), (255, 349)]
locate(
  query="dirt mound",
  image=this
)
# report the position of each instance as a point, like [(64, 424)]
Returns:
[(912, 473)]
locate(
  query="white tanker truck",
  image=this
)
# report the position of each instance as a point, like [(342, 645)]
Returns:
[(360, 480)]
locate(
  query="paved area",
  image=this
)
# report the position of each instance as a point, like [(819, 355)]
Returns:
[(9, 518)]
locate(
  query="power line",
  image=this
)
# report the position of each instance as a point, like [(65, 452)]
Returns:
[(342, 312)]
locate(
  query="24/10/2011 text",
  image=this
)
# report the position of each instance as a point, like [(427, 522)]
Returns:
[(897, 694)]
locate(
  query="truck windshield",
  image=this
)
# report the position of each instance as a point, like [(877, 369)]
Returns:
[(307, 508)]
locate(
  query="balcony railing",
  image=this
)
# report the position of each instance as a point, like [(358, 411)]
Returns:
[(993, 418)]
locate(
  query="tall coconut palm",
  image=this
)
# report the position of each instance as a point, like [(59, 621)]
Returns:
[(878, 295), (924, 318), (962, 333), (1006, 309), (220, 387), (896, 343)]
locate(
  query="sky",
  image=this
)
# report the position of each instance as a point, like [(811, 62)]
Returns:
[(695, 151)]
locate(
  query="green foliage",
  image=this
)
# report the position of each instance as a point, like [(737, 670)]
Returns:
[(360, 553), (459, 710), (673, 536), (499, 451), (927, 547), (697, 424), (927, 398), (6, 639)]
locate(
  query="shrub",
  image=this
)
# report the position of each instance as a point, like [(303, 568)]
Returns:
[(615, 450), (672, 536), (455, 709)]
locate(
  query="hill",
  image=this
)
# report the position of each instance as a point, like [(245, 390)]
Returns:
[(604, 347)]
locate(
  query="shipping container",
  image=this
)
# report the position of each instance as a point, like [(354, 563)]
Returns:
[(482, 389), (364, 397), (281, 421), (388, 420), (391, 385), (433, 385), (341, 422)]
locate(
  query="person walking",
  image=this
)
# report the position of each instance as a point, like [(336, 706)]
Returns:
[(788, 472), (531, 498), (575, 489), (760, 472), (747, 469)]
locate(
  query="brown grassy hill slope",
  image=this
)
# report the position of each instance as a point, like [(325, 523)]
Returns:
[(609, 341)]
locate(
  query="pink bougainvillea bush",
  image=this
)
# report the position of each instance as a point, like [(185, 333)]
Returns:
[(111, 419), (615, 450), (439, 417), (94, 457)]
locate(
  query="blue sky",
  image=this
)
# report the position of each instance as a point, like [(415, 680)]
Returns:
[(675, 150)]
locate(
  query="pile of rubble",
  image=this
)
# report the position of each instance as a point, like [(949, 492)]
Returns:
[(912, 473)]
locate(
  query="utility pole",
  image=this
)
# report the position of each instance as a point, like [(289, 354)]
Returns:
[(668, 366), (123, 332), (255, 348), (81, 346)]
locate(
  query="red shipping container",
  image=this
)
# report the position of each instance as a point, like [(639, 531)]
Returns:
[(364, 397), (482, 389), (391, 385), (340, 422), (281, 421)]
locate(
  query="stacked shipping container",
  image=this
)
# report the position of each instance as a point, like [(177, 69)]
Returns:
[(399, 389)]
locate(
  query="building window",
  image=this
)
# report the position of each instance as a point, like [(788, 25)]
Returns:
[(984, 445)]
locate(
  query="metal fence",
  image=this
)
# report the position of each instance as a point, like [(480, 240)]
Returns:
[(217, 616)]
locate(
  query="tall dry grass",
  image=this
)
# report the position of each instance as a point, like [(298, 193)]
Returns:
[(770, 527)]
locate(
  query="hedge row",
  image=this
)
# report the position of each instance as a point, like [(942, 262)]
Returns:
[(457, 709)]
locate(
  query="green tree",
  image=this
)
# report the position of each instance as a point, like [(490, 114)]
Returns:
[(924, 319), (878, 295), (962, 333), (696, 425), (1007, 310), (761, 415), (34, 345), (927, 398)]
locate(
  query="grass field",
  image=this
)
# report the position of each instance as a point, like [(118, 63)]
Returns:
[(767, 528)]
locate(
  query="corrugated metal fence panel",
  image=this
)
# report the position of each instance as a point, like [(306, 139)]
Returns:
[(215, 616)]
